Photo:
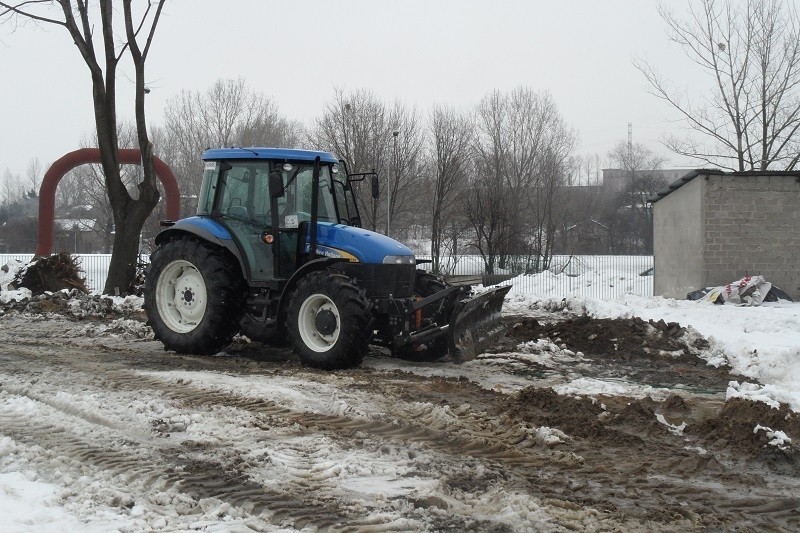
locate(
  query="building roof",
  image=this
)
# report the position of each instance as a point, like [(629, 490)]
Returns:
[(712, 171), (586, 222)]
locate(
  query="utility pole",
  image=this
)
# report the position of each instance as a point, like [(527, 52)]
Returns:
[(395, 133)]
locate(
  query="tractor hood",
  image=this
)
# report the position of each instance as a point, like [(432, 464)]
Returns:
[(366, 246)]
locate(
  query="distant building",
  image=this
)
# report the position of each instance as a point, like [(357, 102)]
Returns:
[(601, 221), (615, 179)]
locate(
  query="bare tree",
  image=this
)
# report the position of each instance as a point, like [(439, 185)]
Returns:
[(358, 127), (405, 169), (581, 203), (11, 187), (630, 216), (485, 208), (34, 175), (229, 113), (585, 170), (452, 137), (524, 147), (749, 120), (114, 44)]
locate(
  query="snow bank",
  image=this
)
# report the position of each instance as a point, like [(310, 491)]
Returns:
[(761, 343), (589, 276)]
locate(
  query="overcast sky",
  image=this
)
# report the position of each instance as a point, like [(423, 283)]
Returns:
[(421, 51)]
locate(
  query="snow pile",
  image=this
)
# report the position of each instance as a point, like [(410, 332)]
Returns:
[(599, 277), (7, 274), (85, 306), (753, 392)]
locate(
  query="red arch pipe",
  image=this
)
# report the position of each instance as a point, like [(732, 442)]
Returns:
[(47, 192)]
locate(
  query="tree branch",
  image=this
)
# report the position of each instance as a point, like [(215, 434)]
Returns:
[(17, 10)]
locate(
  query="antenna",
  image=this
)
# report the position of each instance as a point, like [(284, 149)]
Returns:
[(630, 138)]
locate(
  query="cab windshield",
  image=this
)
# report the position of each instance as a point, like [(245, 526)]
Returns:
[(242, 192)]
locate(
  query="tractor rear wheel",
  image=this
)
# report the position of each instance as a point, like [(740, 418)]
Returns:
[(426, 284), (329, 321), (193, 296)]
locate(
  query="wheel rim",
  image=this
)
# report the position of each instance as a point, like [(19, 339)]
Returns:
[(314, 309), (181, 296)]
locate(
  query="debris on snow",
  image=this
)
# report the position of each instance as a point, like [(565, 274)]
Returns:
[(750, 290), (676, 430), (50, 274), (778, 438)]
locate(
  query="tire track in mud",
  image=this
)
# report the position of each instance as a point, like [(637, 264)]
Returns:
[(172, 471), (478, 444), (474, 436), (626, 486), (374, 429)]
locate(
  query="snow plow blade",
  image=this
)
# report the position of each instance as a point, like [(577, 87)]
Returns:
[(476, 324)]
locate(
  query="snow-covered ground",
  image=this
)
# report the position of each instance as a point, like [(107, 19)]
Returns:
[(761, 343), (50, 489)]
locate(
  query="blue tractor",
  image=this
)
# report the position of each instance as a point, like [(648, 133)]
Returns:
[(277, 252)]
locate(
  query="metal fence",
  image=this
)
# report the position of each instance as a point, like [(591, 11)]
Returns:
[(596, 276)]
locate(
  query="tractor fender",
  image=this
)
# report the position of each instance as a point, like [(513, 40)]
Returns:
[(312, 266), (217, 238)]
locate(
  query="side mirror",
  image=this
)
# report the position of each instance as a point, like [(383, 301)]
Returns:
[(275, 184), (375, 188)]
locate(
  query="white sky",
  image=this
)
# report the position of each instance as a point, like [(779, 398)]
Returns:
[(422, 51)]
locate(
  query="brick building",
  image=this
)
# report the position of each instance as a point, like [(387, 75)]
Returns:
[(712, 227)]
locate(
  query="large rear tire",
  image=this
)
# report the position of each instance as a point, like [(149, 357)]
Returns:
[(329, 321), (193, 296), (426, 284)]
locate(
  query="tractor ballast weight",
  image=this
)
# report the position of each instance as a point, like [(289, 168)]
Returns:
[(276, 251)]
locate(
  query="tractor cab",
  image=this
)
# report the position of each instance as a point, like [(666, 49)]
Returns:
[(266, 199)]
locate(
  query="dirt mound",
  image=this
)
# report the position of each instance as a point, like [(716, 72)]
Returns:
[(752, 427), (51, 274), (640, 414), (619, 338), (575, 416)]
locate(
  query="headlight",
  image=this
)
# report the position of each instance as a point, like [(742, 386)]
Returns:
[(399, 260)]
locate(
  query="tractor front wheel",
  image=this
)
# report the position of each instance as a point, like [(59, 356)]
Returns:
[(193, 297), (329, 321)]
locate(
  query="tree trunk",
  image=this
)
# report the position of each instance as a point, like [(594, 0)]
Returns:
[(122, 268)]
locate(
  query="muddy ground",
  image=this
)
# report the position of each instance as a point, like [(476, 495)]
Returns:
[(487, 445)]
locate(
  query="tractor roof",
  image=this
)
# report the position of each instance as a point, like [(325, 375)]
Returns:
[(268, 153)]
